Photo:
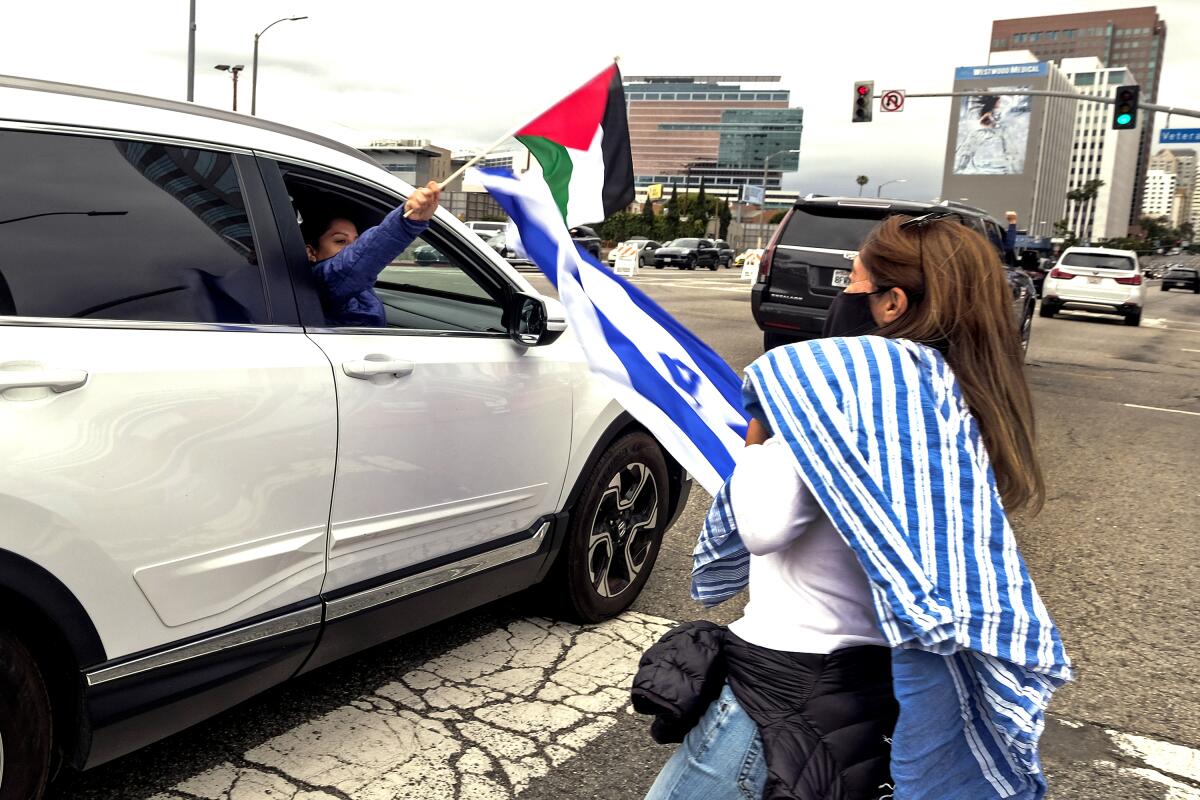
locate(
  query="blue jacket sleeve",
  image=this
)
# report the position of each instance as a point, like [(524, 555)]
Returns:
[(357, 266)]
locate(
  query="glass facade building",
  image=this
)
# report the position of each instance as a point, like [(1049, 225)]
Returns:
[(684, 128)]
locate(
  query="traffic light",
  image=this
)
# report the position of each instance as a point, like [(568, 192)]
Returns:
[(1125, 110), (864, 92)]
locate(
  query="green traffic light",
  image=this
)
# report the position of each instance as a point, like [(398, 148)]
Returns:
[(1124, 119)]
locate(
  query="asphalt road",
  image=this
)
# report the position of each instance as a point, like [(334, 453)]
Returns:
[(499, 703)]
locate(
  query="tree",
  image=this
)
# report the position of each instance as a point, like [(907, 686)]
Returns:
[(701, 206), (1083, 197), (724, 215), (1062, 230), (671, 230), (777, 217), (648, 217), (862, 181)]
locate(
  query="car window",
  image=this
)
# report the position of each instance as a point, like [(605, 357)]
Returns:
[(437, 283), (829, 228), (1098, 261), (94, 228), (427, 288), (1180, 272)]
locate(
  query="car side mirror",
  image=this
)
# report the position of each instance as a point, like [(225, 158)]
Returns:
[(528, 322)]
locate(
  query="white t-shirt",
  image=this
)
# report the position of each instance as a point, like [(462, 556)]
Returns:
[(808, 593)]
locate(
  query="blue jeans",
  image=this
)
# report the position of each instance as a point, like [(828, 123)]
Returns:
[(720, 759)]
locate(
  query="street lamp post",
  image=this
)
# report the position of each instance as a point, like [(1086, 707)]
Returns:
[(767, 161), (879, 190), (233, 70), (254, 68)]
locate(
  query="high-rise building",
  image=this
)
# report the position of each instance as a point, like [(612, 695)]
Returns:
[(416, 161), (1180, 162), (686, 127), (1134, 38), (1099, 153), (1159, 198), (1010, 152)]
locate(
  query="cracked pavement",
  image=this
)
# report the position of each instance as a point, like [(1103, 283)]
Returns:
[(480, 721)]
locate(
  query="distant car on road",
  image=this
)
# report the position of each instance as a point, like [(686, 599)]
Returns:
[(499, 243), (487, 228), (725, 253), (1182, 278), (808, 260), (687, 254), (1096, 279), (586, 238), (646, 249)]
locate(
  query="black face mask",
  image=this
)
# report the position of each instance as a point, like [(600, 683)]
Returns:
[(849, 315)]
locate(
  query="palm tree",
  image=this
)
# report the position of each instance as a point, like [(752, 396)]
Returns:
[(862, 181), (1083, 195)]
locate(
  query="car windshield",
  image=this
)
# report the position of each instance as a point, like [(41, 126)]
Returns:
[(685, 243), (830, 228), (1098, 261)]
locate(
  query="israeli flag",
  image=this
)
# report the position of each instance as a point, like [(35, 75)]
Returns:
[(667, 378)]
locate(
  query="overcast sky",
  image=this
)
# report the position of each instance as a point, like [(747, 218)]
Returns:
[(462, 73)]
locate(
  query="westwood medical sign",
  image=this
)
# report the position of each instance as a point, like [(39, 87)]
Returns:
[(1037, 69)]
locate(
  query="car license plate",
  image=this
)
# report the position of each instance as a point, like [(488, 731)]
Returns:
[(841, 277), (1093, 280)]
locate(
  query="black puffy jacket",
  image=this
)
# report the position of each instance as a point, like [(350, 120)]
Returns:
[(825, 720)]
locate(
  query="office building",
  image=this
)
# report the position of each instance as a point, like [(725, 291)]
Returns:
[(1099, 153), (1158, 201), (1008, 152), (1180, 162), (416, 161), (684, 128), (1134, 38)]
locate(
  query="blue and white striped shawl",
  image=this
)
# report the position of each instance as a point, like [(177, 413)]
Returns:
[(884, 440)]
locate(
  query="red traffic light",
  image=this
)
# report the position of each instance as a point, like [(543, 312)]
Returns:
[(862, 89)]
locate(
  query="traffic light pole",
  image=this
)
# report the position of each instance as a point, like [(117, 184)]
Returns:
[(1183, 112)]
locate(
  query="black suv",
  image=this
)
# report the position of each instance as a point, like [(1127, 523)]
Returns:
[(808, 261), (586, 238), (725, 252), (687, 254)]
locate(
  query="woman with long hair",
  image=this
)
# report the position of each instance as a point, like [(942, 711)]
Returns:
[(893, 644)]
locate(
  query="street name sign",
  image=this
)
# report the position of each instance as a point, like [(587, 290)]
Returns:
[(1176, 135)]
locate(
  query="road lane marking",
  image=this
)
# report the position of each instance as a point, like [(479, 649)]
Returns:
[(1169, 410), (1189, 350)]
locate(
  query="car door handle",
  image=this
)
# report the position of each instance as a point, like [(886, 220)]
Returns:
[(57, 380), (375, 365)]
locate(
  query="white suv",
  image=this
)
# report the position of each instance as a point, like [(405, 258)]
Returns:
[(1096, 279), (206, 487)]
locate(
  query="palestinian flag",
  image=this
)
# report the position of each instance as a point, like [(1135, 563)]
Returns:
[(582, 144)]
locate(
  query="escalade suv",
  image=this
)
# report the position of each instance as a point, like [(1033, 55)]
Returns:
[(808, 261), (175, 406)]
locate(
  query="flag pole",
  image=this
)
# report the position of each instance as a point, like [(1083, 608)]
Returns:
[(491, 148)]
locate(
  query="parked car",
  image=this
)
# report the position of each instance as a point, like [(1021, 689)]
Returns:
[(686, 254), (586, 238), (725, 253), (1036, 268), (1179, 277), (499, 243), (1096, 279), (808, 261), (487, 228), (646, 249), (172, 537)]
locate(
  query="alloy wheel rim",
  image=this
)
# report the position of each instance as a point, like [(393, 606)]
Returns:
[(622, 530)]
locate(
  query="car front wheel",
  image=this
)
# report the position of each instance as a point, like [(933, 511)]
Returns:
[(616, 530), (25, 723)]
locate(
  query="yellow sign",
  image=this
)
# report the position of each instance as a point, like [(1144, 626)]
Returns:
[(654, 191)]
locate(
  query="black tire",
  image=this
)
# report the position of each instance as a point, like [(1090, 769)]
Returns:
[(1163, 288), (715, 266), (1047, 310), (1135, 319), (1196, 290), (25, 723), (622, 510), (658, 266), (1026, 329)]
